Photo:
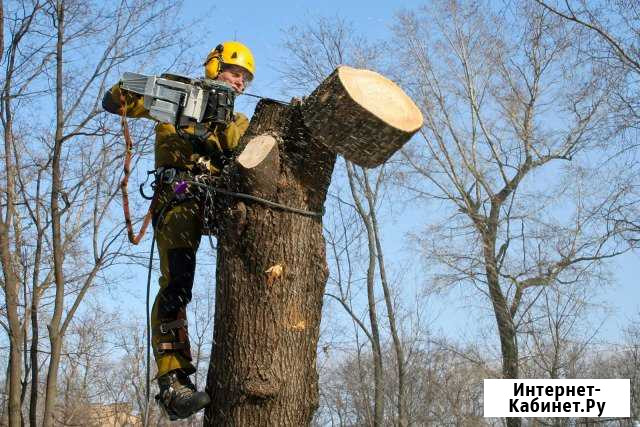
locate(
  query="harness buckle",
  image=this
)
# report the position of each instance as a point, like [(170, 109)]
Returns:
[(163, 347), (176, 324), (166, 175)]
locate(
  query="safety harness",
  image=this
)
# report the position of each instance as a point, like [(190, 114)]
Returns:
[(167, 176)]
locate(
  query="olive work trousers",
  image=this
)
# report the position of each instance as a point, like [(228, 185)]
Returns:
[(178, 230)]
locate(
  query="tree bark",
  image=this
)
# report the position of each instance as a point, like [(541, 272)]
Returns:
[(504, 320), (11, 281), (271, 275)]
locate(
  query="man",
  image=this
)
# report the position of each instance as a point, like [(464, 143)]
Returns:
[(180, 154)]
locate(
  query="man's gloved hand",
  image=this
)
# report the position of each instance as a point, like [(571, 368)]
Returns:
[(296, 101), (202, 165)]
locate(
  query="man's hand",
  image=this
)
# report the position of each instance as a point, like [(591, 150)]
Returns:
[(296, 102), (202, 164)]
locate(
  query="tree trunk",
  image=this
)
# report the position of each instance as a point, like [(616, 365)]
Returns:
[(376, 348), (391, 313), (35, 339), (10, 277), (55, 337), (11, 284), (15, 384), (271, 275), (506, 328), (272, 266)]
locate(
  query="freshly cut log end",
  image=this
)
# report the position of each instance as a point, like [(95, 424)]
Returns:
[(256, 151), (382, 97), (259, 166), (362, 115)]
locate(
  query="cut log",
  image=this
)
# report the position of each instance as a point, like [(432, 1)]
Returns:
[(361, 115)]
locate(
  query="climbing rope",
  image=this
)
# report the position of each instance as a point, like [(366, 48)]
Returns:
[(256, 199), (148, 367), (133, 238)]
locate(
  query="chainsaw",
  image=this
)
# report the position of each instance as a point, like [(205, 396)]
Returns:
[(181, 100)]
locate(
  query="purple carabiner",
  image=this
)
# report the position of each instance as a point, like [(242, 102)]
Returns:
[(180, 187)]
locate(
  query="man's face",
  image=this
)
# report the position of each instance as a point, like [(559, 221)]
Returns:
[(236, 76)]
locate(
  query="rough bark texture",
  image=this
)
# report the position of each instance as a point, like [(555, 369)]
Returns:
[(349, 128), (271, 276)]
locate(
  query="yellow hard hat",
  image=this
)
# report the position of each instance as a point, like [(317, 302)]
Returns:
[(229, 52)]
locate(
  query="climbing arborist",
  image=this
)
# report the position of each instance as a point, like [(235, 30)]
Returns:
[(180, 154)]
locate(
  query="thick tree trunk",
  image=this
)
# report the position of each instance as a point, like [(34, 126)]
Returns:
[(272, 267), (271, 276)]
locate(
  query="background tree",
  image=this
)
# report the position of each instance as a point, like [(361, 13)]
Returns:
[(54, 253), (514, 120), (613, 29)]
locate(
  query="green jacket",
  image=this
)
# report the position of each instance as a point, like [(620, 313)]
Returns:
[(183, 151)]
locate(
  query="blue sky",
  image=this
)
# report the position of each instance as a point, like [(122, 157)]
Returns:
[(260, 25)]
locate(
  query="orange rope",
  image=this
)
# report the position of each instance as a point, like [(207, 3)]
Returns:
[(133, 238)]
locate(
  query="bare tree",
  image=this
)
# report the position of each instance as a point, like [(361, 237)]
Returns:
[(359, 184), (444, 387), (74, 117), (513, 122), (54, 253), (9, 220), (558, 331), (631, 365), (614, 27), (613, 44)]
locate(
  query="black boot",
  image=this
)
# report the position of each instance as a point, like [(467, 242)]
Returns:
[(178, 396)]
